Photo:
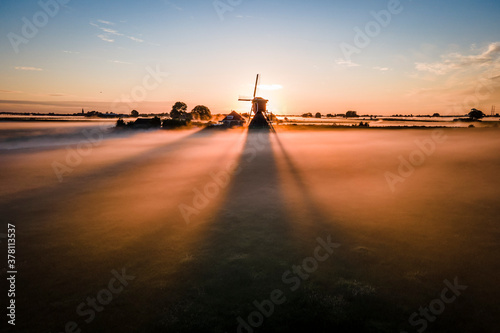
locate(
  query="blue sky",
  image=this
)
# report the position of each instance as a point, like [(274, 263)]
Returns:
[(433, 56)]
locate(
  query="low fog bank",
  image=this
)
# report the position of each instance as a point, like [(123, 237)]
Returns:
[(411, 207), (20, 135), (193, 214)]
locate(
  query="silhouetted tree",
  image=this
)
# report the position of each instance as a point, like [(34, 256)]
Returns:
[(178, 110), (156, 122), (317, 115), (436, 115), (307, 115), (120, 123), (351, 114), (134, 113), (476, 114), (201, 112)]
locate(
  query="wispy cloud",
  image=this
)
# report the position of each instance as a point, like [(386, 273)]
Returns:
[(457, 61), (106, 22), (111, 31), (23, 68), (109, 35), (135, 39), (382, 69), (57, 94), (106, 38), (71, 52), (346, 63), (10, 91)]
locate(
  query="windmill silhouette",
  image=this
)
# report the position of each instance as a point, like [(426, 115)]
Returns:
[(259, 117)]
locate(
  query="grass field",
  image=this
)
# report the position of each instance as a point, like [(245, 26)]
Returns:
[(349, 230)]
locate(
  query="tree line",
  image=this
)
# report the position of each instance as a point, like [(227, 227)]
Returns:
[(179, 117), (179, 111)]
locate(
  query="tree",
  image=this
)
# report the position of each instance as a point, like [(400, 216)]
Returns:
[(436, 115), (476, 114), (178, 110), (175, 123), (351, 114), (307, 115), (317, 115), (156, 122), (201, 112), (134, 113), (120, 123)]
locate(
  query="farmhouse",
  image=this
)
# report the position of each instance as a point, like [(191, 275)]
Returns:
[(233, 119)]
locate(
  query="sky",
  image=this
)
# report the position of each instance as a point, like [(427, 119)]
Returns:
[(375, 57)]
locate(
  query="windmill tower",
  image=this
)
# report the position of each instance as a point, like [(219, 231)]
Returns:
[(258, 115)]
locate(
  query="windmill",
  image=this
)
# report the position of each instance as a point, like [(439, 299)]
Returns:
[(260, 117)]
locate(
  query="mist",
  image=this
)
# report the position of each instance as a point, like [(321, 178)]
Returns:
[(208, 221)]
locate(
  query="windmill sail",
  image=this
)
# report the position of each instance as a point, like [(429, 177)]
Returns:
[(256, 85)]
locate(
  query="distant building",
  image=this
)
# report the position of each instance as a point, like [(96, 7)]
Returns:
[(233, 119)]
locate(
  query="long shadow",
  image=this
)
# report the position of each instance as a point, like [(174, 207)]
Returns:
[(245, 251), (141, 254), (346, 304), (75, 185), (250, 249), (320, 222)]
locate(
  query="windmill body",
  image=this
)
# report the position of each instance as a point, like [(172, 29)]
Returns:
[(258, 114)]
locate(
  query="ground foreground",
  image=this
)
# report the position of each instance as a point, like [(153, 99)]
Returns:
[(224, 231)]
